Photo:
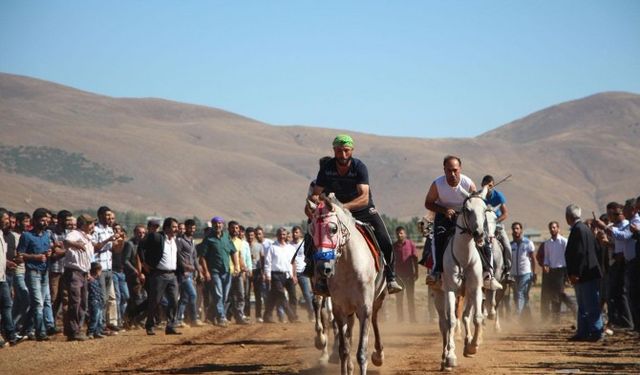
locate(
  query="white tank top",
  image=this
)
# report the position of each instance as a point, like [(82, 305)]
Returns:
[(452, 197)]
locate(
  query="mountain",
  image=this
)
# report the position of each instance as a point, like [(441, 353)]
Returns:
[(65, 148)]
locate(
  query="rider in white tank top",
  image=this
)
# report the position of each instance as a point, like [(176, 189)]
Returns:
[(452, 197)]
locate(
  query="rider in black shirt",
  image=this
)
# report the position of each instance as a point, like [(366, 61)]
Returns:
[(348, 179)]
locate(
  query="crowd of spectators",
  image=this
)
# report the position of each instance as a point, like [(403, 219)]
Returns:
[(87, 278)]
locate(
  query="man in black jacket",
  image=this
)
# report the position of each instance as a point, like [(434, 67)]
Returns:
[(584, 273), (161, 258)]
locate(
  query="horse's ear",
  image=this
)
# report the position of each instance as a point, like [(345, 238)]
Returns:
[(312, 205), (484, 192), (464, 192)]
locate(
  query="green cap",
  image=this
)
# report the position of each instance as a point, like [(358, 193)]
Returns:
[(343, 140)]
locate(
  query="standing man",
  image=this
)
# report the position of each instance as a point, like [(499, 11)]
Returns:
[(584, 273), (56, 261), (554, 268), (348, 178), (257, 256), (161, 256), (299, 265), (236, 293), (78, 255), (6, 303), (217, 250), (496, 199), (35, 248), (618, 299), (406, 255), (188, 266), (103, 239), (279, 277), (523, 268)]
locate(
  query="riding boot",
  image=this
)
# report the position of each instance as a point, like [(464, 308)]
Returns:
[(392, 284), (309, 267), (490, 282)]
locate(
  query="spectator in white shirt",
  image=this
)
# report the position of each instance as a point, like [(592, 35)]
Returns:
[(554, 268), (279, 276)]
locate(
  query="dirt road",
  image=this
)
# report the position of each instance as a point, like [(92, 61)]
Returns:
[(288, 349), (522, 348)]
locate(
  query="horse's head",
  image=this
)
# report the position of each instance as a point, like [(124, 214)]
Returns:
[(475, 216), (328, 234)]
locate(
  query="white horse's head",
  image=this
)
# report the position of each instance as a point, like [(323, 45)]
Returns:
[(327, 229), (475, 216)]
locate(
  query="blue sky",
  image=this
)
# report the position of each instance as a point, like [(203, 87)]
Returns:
[(402, 68)]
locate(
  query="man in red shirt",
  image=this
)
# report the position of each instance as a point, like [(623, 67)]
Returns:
[(406, 267)]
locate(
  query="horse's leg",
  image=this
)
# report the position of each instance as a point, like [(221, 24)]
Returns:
[(321, 328), (349, 341), (340, 320), (377, 357), (449, 355), (364, 316), (466, 321), (460, 302), (477, 319), (498, 299)]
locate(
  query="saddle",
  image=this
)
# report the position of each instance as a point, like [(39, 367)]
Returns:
[(368, 233)]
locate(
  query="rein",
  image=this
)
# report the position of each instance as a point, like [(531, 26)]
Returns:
[(466, 230)]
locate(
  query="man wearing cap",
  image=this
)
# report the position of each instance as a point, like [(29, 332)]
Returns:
[(216, 252), (348, 178), (77, 263)]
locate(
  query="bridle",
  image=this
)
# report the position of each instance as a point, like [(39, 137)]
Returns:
[(465, 212), (329, 246)]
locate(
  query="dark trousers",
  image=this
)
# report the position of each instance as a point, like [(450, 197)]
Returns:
[(553, 294), (75, 285), (276, 296), (632, 281), (442, 230), (618, 301), (257, 284), (373, 218), (162, 284), (409, 288)]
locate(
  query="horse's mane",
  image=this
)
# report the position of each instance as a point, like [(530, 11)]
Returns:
[(331, 198)]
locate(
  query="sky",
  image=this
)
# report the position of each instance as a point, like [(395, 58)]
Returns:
[(428, 69)]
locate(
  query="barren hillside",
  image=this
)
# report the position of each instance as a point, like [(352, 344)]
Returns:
[(181, 159)]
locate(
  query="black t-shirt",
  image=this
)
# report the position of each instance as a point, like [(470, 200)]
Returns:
[(344, 187)]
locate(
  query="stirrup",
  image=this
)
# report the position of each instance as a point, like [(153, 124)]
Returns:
[(491, 283), (393, 287)]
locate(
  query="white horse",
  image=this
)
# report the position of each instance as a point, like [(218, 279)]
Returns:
[(353, 284), (494, 297), (462, 260)]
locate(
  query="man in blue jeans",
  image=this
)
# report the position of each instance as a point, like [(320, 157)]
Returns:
[(584, 273), (216, 252), (35, 248), (522, 267), (299, 265), (187, 267)]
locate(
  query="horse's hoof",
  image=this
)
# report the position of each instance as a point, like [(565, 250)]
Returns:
[(377, 358), (470, 350), (321, 342), (450, 363)]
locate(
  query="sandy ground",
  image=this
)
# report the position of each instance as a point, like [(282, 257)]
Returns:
[(523, 347)]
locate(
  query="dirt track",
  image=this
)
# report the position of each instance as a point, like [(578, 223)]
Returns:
[(288, 349)]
